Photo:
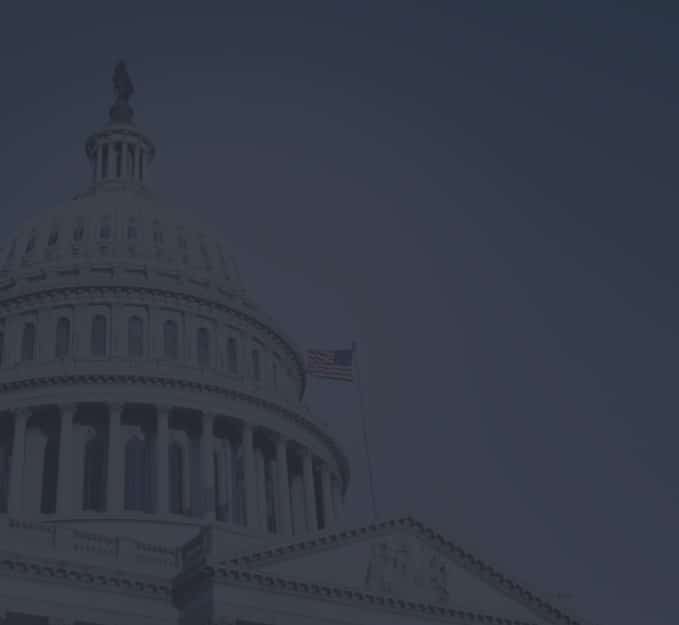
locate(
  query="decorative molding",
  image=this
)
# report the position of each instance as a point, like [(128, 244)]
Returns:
[(89, 294), (185, 585), (20, 565), (460, 556)]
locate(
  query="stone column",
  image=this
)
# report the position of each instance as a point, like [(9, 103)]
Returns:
[(260, 480), (65, 470), (284, 513), (123, 159), (336, 498), (100, 161), (220, 486), (97, 163), (18, 455), (327, 497), (162, 458), (249, 477), (207, 472), (227, 454), (309, 491), (116, 466)]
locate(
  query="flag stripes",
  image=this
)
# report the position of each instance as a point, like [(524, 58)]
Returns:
[(331, 364)]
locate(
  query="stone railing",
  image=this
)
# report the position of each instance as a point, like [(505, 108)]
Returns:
[(64, 543)]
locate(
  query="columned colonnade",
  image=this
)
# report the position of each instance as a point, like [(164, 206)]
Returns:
[(162, 459)]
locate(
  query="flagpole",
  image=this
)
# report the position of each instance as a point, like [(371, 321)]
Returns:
[(354, 349)]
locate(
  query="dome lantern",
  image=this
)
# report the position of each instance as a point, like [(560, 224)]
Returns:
[(119, 152)]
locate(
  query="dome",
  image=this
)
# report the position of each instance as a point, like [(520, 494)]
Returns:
[(140, 384)]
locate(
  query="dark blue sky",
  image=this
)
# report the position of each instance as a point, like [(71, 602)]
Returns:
[(482, 194)]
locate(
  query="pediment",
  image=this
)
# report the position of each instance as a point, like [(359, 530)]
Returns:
[(403, 561)]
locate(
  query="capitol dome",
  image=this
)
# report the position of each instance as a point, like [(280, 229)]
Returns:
[(141, 389)]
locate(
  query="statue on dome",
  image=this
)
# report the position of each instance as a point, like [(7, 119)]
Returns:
[(122, 84), (121, 112)]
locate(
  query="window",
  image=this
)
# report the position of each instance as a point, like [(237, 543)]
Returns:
[(225, 266), (232, 355), (137, 486), (203, 347), (98, 339), (28, 342), (135, 337), (104, 160), (54, 236), (157, 233), (78, 229), (31, 243), (206, 255), (171, 339), (94, 487), (132, 229), (63, 337), (12, 251), (176, 478), (105, 229), (256, 372), (183, 246)]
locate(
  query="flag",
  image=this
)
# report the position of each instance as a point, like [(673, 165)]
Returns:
[(332, 365)]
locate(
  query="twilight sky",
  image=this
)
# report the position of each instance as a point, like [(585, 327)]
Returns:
[(482, 194)]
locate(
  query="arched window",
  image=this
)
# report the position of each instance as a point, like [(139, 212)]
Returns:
[(54, 236), (176, 478), (63, 337), (94, 486), (157, 233), (79, 229), (203, 347), (132, 229), (135, 337), (28, 342), (256, 371), (232, 355), (105, 228), (183, 246), (98, 338), (171, 339), (137, 487), (12, 251)]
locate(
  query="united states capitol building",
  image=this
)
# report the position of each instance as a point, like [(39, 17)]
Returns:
[(157, 463)]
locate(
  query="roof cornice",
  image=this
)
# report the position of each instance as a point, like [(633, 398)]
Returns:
[(464, 558)]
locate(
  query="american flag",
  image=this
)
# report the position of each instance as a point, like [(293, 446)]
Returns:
[(331, 364)]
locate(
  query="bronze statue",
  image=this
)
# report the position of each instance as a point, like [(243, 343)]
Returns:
[(121, 112), (122, 84)]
